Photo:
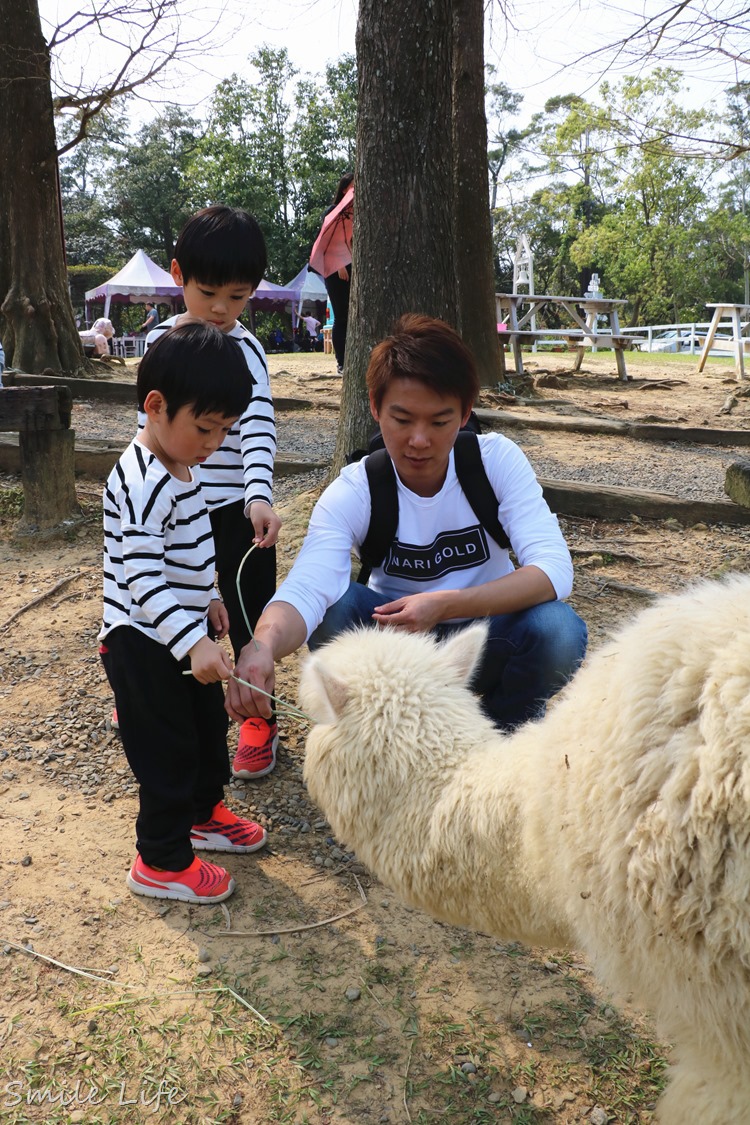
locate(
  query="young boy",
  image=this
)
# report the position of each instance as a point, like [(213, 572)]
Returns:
[(220, 257), (160, 606)]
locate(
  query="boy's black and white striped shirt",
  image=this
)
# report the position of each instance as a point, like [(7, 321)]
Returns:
[(158, 552), (242, 468)]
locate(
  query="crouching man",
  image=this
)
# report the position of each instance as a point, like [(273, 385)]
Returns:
[(444, 568)]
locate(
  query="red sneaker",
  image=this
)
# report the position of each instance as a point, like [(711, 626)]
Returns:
[(201, 882), (256, 751), (114, 721), (227, 832)]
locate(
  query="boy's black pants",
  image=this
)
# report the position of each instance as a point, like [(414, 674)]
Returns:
[(233, 538), (174, 732)]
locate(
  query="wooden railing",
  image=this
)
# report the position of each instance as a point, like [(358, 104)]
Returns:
[(41, 417)]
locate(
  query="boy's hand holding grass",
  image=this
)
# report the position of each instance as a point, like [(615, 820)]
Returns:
[(218, 618), (208, 662), (266, 523)]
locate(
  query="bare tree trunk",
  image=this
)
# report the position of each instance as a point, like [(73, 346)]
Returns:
[(404, 258), (477, 319), (38, 327)]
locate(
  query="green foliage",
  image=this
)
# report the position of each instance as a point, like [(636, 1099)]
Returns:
[(90, 230), (275, 142), (151, 193), (628, 192)]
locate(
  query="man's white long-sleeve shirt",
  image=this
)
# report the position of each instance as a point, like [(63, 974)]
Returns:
[(439, 543)]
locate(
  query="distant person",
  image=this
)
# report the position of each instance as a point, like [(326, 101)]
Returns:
[(152, 318), (338, 285), (98, 336), (161, 611), (220, 258), (312, 325)]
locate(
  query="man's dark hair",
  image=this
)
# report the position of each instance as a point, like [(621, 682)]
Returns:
[(221, 246), (428, 350), (199, 366)]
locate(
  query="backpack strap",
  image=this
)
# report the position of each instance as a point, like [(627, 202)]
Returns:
[(476, 486), (381, 479)]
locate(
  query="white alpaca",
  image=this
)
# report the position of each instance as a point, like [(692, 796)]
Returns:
[(619, 824)]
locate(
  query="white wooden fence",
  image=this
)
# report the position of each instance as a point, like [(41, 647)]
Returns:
[(690, 336)]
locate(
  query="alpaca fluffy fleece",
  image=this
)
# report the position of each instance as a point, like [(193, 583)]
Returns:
[(619, 824)]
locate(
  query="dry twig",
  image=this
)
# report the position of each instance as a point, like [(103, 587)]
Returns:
[(300, 929), (621, 588), (35, 601), (662, 384)]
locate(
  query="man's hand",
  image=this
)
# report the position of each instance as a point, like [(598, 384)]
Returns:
[(219, 618), (208, 662), (417, 613), (266, 523), (255, 665)]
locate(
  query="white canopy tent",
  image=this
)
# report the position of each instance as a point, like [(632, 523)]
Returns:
[(309, 286), (139, 281)]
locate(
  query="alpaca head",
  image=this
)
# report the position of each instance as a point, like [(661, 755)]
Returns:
[(390, 707)]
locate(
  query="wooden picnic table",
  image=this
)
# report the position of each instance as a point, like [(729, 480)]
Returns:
[(518, 309), (735, 315)]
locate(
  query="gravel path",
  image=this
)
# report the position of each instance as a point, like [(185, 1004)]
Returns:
[(687, 471), (690, 472)]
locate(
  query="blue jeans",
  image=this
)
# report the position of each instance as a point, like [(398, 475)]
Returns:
[(530, 655)]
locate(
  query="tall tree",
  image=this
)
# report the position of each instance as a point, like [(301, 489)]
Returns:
[(502, 102), (645, 243), (404, 258), (406, 233), (477, 319), (85, 173), (151, 193), (39, 330), (737, 193)]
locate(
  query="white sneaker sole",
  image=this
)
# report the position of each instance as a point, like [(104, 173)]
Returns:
[(247, 775), (215, 842), (176, 891)]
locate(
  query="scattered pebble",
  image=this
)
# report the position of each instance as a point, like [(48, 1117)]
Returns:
[(204, 955), (520, 1094), (26, 861), (353, 994)]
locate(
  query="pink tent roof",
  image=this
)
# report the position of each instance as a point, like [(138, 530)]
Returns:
[(140, 280)]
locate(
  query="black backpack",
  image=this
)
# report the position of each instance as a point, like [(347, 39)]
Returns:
[(381, 478)]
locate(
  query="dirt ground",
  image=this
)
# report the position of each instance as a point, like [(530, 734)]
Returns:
[(119, 1009)]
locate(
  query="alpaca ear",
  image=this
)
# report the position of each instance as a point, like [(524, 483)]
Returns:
[(329, 693), (463, 650)]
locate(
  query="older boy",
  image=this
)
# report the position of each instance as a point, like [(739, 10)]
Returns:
[(159, 607), (220, 257), (422, 383)]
